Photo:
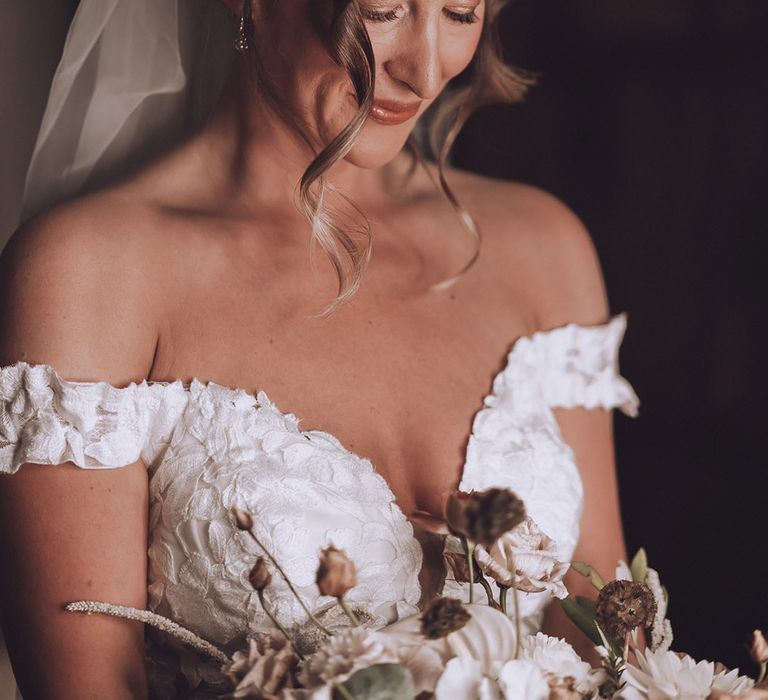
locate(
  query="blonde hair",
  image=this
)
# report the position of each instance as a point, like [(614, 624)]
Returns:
[(491, 81)]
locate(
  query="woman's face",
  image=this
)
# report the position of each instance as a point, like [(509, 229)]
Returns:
[(419, 45)]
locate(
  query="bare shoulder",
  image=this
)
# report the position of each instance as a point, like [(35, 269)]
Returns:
[(535, 233), (75, 291)]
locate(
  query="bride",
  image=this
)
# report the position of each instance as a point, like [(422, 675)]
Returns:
[(170, 344)]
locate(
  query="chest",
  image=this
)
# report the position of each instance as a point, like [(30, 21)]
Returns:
[(396, 377), (307, 490)]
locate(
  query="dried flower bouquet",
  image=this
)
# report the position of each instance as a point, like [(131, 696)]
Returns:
[(457, 650)]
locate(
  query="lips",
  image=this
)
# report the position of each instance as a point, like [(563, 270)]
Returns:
[(391, 112)]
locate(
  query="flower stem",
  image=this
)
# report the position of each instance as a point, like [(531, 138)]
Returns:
[(288, 582), (469, 551), (516, 603), (488, 591), (763, 671), (276, 622), (351, 615), (503, 598)]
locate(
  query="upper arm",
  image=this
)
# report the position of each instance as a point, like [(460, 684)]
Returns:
[(71, 534), (575, 293), (70, 299), (572, 290), (589, 432), (74, 294)]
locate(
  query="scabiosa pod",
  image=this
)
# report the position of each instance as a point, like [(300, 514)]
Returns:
[(443, 616), (480, 518), (623, 605), (483, 516)]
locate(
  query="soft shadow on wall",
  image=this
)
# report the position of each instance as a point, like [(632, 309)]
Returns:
[(651, 121)]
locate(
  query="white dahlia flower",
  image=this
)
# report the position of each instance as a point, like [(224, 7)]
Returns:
[(558, 659), (523, 680), (731, 682), (463, 678), (665, 675)]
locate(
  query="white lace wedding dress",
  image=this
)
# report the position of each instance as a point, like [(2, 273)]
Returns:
[(208, 447)]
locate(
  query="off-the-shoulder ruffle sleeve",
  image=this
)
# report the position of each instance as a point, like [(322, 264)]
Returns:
[(45, 419), (579, 366)]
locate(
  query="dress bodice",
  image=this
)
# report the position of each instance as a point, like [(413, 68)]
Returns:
[(209, 447)]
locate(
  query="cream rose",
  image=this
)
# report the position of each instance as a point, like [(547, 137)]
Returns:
[(532, 555)]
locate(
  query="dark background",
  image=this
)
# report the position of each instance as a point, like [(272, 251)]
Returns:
[(650, 120)]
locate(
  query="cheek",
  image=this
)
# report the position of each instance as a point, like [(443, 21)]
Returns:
[(459, 54), (329, 105)]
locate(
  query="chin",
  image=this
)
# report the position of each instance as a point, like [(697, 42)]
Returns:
[(371, 152)]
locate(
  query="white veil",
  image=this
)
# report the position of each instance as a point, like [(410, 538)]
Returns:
[(135, 76)]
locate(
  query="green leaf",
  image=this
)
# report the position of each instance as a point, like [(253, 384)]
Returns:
[(589, 572), (379, 682), (582, 619), (639, 566), (587, 603)]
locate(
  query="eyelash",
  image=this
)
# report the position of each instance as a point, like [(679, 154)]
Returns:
[(391, 15)]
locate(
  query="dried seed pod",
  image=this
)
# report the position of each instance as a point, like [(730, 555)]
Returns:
[(260, 577), (336, 574), (244, 518), (443, 616), (460, 568), (623, 605), (484, 516)]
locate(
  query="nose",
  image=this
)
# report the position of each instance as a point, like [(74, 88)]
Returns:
[(416, 61)]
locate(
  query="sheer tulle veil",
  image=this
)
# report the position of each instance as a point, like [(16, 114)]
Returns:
[(134, 76)]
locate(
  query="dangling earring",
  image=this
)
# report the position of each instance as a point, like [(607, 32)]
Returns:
[(243, 41)]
